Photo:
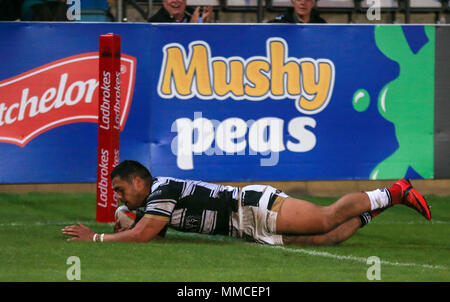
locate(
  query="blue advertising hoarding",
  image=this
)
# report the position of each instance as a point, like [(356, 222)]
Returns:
[(229, 102), (66, 153)]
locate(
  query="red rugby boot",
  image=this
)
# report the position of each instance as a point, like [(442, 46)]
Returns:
[(403, 192), (375, 213)]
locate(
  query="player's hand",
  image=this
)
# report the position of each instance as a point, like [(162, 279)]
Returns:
[(117, 227), (79, 232), (208, 14), (195, 15)]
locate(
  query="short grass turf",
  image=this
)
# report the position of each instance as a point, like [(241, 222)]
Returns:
[(32, 248)]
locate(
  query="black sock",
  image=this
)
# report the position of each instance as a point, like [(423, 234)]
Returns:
[(365, 218)]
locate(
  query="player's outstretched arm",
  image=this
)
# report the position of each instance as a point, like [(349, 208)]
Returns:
[(145, 230)]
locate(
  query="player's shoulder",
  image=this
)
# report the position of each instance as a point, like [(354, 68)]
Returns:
[(166, 182), (165, 188)]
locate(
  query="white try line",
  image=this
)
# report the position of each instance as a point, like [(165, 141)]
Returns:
[(318, 253), (223, 238), (44, 223), (411, 222), (353, 258)]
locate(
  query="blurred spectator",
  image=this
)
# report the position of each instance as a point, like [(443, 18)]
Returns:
[(177, 11), (44, 10), (302, 11), (10, 10)]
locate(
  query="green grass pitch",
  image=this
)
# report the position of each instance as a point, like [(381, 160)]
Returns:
[(32, 248)]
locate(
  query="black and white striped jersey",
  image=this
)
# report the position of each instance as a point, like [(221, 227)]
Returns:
[(193, 206)]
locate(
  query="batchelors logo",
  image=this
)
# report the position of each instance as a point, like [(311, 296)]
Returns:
[(58, 93)]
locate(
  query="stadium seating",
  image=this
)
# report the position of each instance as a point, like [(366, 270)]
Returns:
[(336, 5), (137, 4), (203, 2), (244, 4), (322, 5), (348, 7), (189, 2), (325, 6), (427, 6), (386, 6), (95, 11), (253, 6)]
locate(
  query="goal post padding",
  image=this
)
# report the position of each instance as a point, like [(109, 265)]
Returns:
[(108, 152)]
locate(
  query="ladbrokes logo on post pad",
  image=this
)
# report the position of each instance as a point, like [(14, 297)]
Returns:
[(58, 93)]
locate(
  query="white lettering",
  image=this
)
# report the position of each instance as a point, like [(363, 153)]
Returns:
[(103, 181), (228, 131), (248, 291), (53, 98), (74, 271), (374, 271), (266, 134), (265, 137), (80, 93), (104, 122), (374, 10), (307, 139), (24, 103), (61, 88), (8, 119), (185, 146), (194, 292), (74, 10), (46, 97)]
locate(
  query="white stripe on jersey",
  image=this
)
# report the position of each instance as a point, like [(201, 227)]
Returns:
[(235, 192), (208, 221), (189, 187), (157, 184), (256, 188), (163, 206), (195, 201), (178, 217)]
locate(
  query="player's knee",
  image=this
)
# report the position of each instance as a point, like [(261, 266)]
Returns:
[(326, 240), (321, 241), (326, 222), (323, 225)]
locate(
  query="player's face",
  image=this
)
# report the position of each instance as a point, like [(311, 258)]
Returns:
[(303, 7), (131, 194), (175, 7)]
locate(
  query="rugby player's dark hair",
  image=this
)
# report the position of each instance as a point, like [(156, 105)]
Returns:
[(129, 169)]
